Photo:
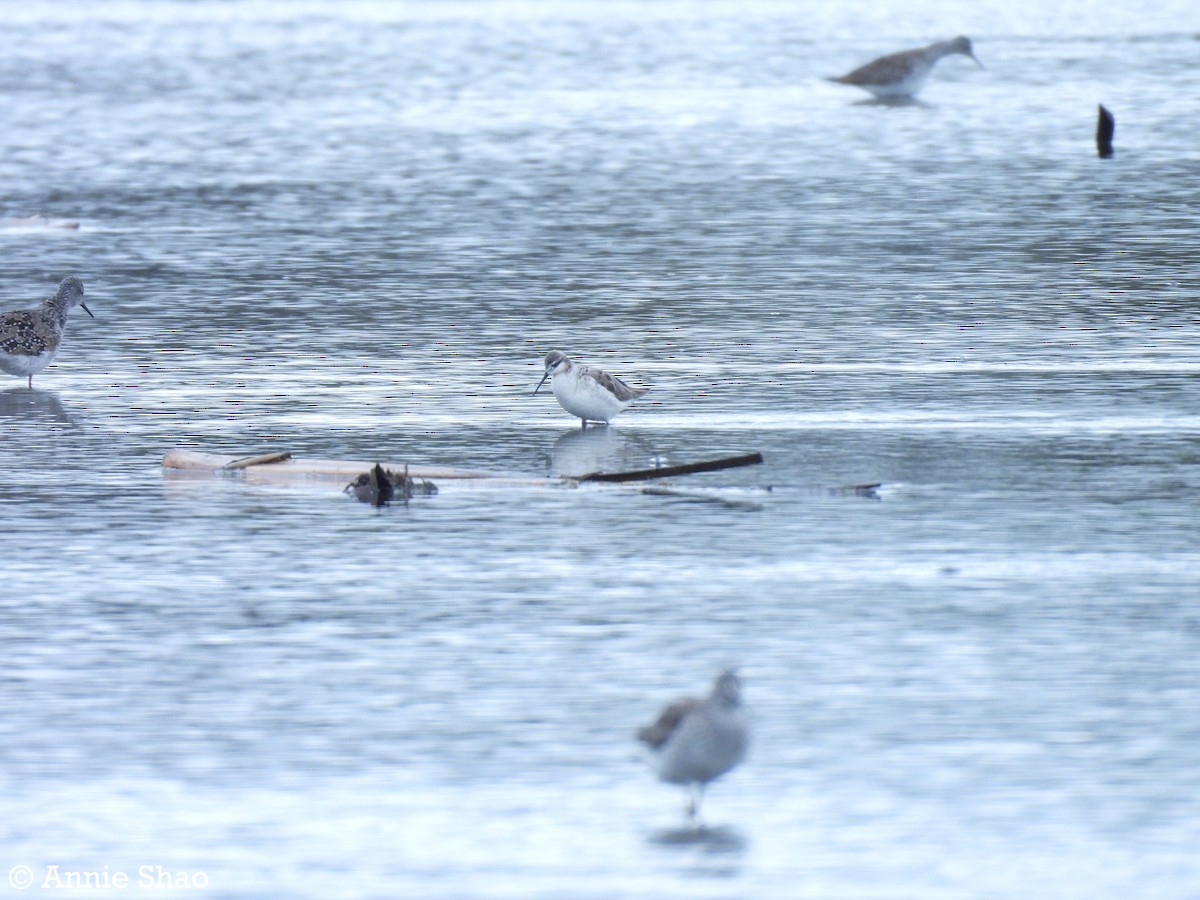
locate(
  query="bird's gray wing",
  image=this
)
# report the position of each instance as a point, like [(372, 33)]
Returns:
[(613, 384), (885, 70), (660, 732)]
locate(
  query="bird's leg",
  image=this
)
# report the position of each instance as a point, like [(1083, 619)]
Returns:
[(696, 792), (31, 382), (583, 424)]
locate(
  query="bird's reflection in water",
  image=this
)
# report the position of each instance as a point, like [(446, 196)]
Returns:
[(23, 403), (727, 500), (704, 851), (722, 838), (892, 101), (597, 449)]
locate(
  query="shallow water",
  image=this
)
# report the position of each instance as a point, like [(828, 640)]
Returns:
[(353, 231)]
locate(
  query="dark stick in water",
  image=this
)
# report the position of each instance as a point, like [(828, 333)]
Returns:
[(713, 465), (1104, 133)]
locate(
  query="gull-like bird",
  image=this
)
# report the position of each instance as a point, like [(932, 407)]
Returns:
[(695, 741)]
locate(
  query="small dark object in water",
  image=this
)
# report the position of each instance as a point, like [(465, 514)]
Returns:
[(373, 487), (1104, 133), (417, 487), (859, 490), (380, 485)]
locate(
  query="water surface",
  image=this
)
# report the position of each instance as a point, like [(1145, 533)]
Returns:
[(352, 230)]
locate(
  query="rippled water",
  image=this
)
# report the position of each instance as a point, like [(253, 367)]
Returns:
[(352, 230)]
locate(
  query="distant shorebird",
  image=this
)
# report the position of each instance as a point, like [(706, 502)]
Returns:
[(697, 741), (903, 74), (30, 338), (585, 391)]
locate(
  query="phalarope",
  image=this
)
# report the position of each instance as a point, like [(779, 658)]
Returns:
[(30, 338), (903, 74), (697, 741), (585, 391)]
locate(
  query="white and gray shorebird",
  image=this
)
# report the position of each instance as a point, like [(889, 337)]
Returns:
[(695, 741), (902, 74), (585, 391), (31, 338)]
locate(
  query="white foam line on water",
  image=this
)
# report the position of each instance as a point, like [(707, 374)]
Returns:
[(427, 420), (874, 420), (1001, 568), (1091, 366)]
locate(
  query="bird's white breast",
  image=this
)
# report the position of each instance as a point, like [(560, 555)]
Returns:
[(585, 397), (26, 364), (704, 746)]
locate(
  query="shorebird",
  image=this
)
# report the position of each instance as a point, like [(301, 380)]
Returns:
[(697, 741), (585, 391), (30, 338), (903, 74)]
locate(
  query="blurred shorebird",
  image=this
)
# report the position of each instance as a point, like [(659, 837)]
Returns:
[(30, 338), (902, 74), (585, 391), (696, 741)]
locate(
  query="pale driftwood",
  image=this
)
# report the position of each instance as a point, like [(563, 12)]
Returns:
[(294, 470), (261, 460), (282, 468)]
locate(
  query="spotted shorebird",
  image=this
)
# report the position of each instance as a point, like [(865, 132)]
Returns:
[(903, 74), (585, 391), (30, 338), (697, 741)]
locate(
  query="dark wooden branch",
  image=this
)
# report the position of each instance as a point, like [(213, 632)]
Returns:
[(1105, 127), (712, 465)]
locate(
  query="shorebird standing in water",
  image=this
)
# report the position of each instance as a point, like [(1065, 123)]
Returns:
[(902, 74), (697, 741), (30, 338), (585, 391)]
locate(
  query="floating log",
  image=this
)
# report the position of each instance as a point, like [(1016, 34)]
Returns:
[(750, 498), (1105, 127), (261, 460), (287, 469), (283, 468), (712, 465)]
